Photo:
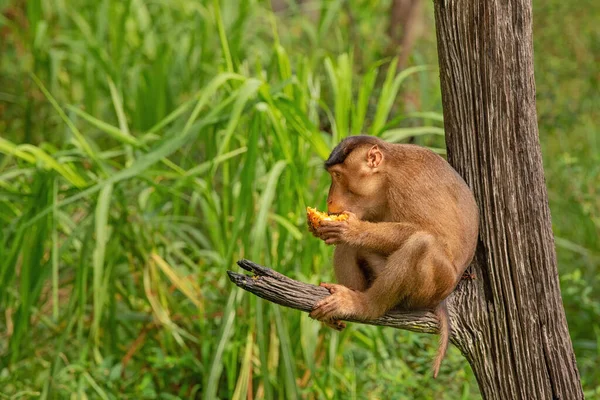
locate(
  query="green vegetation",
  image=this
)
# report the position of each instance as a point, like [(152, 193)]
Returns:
[(567, 51), (146, 146)]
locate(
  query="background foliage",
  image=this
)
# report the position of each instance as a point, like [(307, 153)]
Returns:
[(145, 146)]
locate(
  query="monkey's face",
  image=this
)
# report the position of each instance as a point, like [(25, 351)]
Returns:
[(357, 185)]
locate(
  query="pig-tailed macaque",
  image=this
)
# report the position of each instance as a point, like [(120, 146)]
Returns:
[(411, 232)]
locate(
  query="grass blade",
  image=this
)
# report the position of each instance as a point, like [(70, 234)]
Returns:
[(114, 132), (400, 134), (98, 265)]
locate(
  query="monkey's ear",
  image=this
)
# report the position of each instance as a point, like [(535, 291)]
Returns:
[(374, 157)]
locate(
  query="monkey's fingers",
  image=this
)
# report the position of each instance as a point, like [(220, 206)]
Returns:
[(327, 309), (340, 324), (311, 228), (332, 224), (315, 233), (322, 312), (335, 324), (331, 235), (332, 287), (330, 229)]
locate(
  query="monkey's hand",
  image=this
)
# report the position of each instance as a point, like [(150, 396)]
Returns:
[(336, 232), (343, 302), (311, 228)]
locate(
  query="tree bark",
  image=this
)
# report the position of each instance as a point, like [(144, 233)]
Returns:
[(405, 27), (518, 341)]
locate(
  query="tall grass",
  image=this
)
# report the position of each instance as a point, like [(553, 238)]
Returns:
[(147, 155)]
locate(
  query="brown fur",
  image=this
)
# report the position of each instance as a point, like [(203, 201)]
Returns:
[(411, 232)]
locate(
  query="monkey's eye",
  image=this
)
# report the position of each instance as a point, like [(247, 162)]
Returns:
[(336, 174)]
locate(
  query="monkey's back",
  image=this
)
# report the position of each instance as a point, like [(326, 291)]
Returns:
[(435, 196)]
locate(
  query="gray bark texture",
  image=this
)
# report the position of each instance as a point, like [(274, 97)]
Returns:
[(509, 321)]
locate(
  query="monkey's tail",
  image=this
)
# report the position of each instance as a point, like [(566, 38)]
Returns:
[(441, 312)]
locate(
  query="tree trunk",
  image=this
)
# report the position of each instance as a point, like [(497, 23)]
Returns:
[(510, 324), (405, 26)]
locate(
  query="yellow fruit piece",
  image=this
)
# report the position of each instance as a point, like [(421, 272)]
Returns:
[(315, 217)]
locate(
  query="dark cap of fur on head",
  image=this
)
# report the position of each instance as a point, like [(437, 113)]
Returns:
[(346, 146)]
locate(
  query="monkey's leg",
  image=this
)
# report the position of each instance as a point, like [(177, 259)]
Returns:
[(347, 269), (418, 275), (347, 273)]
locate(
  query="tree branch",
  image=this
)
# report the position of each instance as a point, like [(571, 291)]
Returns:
[(279, 289)]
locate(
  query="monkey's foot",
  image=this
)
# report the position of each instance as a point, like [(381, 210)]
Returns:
[(469, 276), (343, 302), (335, 324), (332, 287)]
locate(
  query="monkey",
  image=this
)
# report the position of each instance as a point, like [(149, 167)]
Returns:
[(411, 232)]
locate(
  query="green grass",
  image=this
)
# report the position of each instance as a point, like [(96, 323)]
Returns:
[(568, 102), (146, 146)]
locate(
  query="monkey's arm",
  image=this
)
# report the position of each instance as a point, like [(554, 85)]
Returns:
[(382, 237)]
